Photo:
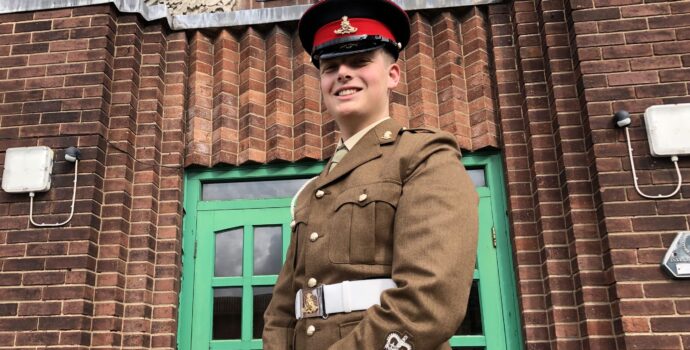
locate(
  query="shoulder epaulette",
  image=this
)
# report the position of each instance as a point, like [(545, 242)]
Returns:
[(418, 130)]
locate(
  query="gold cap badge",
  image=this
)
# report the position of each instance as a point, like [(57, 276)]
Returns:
[(345, 27)]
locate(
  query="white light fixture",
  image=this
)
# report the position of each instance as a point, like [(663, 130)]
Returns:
[(28, 169), (668, 129)]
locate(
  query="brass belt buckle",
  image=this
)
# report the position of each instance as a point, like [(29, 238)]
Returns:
[(313, 303)]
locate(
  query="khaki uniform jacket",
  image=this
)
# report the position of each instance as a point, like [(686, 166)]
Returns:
[(417, 225)]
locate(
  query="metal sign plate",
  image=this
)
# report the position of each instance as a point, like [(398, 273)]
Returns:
[(677, 258)]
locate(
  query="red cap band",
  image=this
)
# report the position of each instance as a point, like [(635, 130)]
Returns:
[(364, 26)]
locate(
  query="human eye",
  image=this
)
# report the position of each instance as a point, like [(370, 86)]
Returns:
[(327, 67), (360, 61)]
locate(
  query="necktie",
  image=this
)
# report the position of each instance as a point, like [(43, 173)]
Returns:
[(339, 154)]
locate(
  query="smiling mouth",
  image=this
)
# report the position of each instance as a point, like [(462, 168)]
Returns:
[(346, 92)]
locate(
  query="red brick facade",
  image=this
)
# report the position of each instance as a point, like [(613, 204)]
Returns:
[(538, 80)]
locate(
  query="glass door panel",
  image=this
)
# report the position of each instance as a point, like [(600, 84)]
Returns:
[(227, 312), (472, 325), (268, 244), (262, 297), (228, 253)]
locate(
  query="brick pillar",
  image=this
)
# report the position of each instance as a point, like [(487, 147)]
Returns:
[(56, 86)]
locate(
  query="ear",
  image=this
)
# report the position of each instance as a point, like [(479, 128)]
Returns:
[(393, 75)]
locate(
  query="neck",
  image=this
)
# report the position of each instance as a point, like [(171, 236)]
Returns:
[(351, 126)]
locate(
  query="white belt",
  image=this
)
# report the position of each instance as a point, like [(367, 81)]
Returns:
[(347, 296)]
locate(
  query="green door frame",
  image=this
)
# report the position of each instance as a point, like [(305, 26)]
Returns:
[(494, 192)]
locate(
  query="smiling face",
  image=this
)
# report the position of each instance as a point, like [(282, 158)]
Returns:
[(355, 87)]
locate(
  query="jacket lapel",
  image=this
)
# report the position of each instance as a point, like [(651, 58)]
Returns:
[(368, 148)]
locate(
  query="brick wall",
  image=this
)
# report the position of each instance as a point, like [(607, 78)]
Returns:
[(538, 80), (254, 96), (111, 85), (588, 247), (632, 57)]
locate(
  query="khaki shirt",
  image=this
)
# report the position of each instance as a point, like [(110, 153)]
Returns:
[(417, 224)]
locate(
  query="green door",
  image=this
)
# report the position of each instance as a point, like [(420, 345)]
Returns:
[(240, 238), (239, 256)]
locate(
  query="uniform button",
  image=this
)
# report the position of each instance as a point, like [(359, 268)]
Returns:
[(362, 197), (293, 224), (320, 194), (312, 282), (314, 236), (311, 330)]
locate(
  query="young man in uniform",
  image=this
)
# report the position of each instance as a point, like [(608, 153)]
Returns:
[(384, 239)]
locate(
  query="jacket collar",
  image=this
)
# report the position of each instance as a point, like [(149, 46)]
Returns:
[(368, 148), (352, 141)]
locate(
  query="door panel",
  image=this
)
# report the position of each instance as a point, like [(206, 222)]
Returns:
[(239, 255)]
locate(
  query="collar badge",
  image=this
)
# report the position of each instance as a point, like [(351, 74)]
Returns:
[(387, 135), (345, 27)]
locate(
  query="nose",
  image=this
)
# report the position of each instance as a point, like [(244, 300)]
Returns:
[(344, 73)]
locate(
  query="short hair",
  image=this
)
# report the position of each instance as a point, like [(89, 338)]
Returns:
[(388, 55)]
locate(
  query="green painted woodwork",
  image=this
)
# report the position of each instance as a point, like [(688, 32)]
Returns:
[(203, 219), (209, 223), (193, 208)]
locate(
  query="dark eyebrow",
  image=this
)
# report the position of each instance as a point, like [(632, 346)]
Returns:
[(329, 62)]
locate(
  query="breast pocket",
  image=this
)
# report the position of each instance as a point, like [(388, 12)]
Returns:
[(362, 224)]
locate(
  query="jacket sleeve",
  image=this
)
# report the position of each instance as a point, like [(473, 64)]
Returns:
[(435, 245), (279, 318)]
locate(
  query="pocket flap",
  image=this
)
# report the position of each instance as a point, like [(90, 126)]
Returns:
[(362, 195)]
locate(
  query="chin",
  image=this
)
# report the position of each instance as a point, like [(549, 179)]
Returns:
[(348, 114)]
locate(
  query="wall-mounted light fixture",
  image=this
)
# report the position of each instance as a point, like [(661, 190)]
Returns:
[(668, 133), (28, 170)]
